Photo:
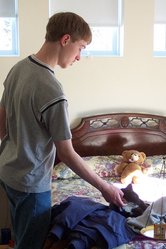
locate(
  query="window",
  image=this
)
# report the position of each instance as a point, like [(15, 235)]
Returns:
[(160, 28), (105, 19), (8, 28)]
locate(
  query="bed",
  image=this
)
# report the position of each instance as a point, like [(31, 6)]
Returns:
[(100, 140)]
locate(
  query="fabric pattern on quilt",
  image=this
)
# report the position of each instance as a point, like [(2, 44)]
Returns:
[(146, 244), (104, 166), (62, 189)]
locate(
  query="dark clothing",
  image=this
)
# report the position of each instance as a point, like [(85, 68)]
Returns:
[(89, 223)]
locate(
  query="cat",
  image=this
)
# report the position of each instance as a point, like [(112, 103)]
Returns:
[(134, 205)]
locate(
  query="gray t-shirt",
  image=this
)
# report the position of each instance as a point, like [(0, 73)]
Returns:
[(37, 115)]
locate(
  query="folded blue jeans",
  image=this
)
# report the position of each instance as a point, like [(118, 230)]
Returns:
[(30, 214)]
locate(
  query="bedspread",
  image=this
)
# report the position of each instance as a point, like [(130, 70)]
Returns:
[(66, 184)]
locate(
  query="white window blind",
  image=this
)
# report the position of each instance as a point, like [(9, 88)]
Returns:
[(8, 28), (95, 12), (160, 11), (7, 8), (160, 28), (105, 19)]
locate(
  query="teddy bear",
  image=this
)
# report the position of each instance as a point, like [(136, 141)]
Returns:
[(132, 167)]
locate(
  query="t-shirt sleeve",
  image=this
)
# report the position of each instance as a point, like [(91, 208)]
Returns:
[(56, 120)]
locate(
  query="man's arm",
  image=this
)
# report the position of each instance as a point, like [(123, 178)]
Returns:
[(2, 122), (67, 154)]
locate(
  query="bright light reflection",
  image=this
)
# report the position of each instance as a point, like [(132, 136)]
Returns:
[(150, 189)]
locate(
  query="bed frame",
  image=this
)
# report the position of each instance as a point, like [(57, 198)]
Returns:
[(108, 134)]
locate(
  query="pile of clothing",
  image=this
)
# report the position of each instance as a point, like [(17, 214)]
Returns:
[(86, 223)]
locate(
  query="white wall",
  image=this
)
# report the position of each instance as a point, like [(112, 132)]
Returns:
[(134, 82)]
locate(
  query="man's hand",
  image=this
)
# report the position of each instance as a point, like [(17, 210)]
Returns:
[(113, 194)]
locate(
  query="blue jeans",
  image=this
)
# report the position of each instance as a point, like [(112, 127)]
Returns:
[(30, 213)]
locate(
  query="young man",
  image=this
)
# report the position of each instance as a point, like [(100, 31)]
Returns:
[(34, 126)]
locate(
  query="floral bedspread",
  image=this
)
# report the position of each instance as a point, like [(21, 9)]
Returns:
[(65, 183)]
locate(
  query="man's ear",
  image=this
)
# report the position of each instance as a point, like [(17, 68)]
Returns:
[(65, 39)]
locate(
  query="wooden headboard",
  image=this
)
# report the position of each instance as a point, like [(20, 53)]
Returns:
[(108, 134)]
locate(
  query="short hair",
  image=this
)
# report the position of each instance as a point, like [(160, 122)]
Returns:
[(67, 23)]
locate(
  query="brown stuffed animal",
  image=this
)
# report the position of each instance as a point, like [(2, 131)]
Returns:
[(132, 167)]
